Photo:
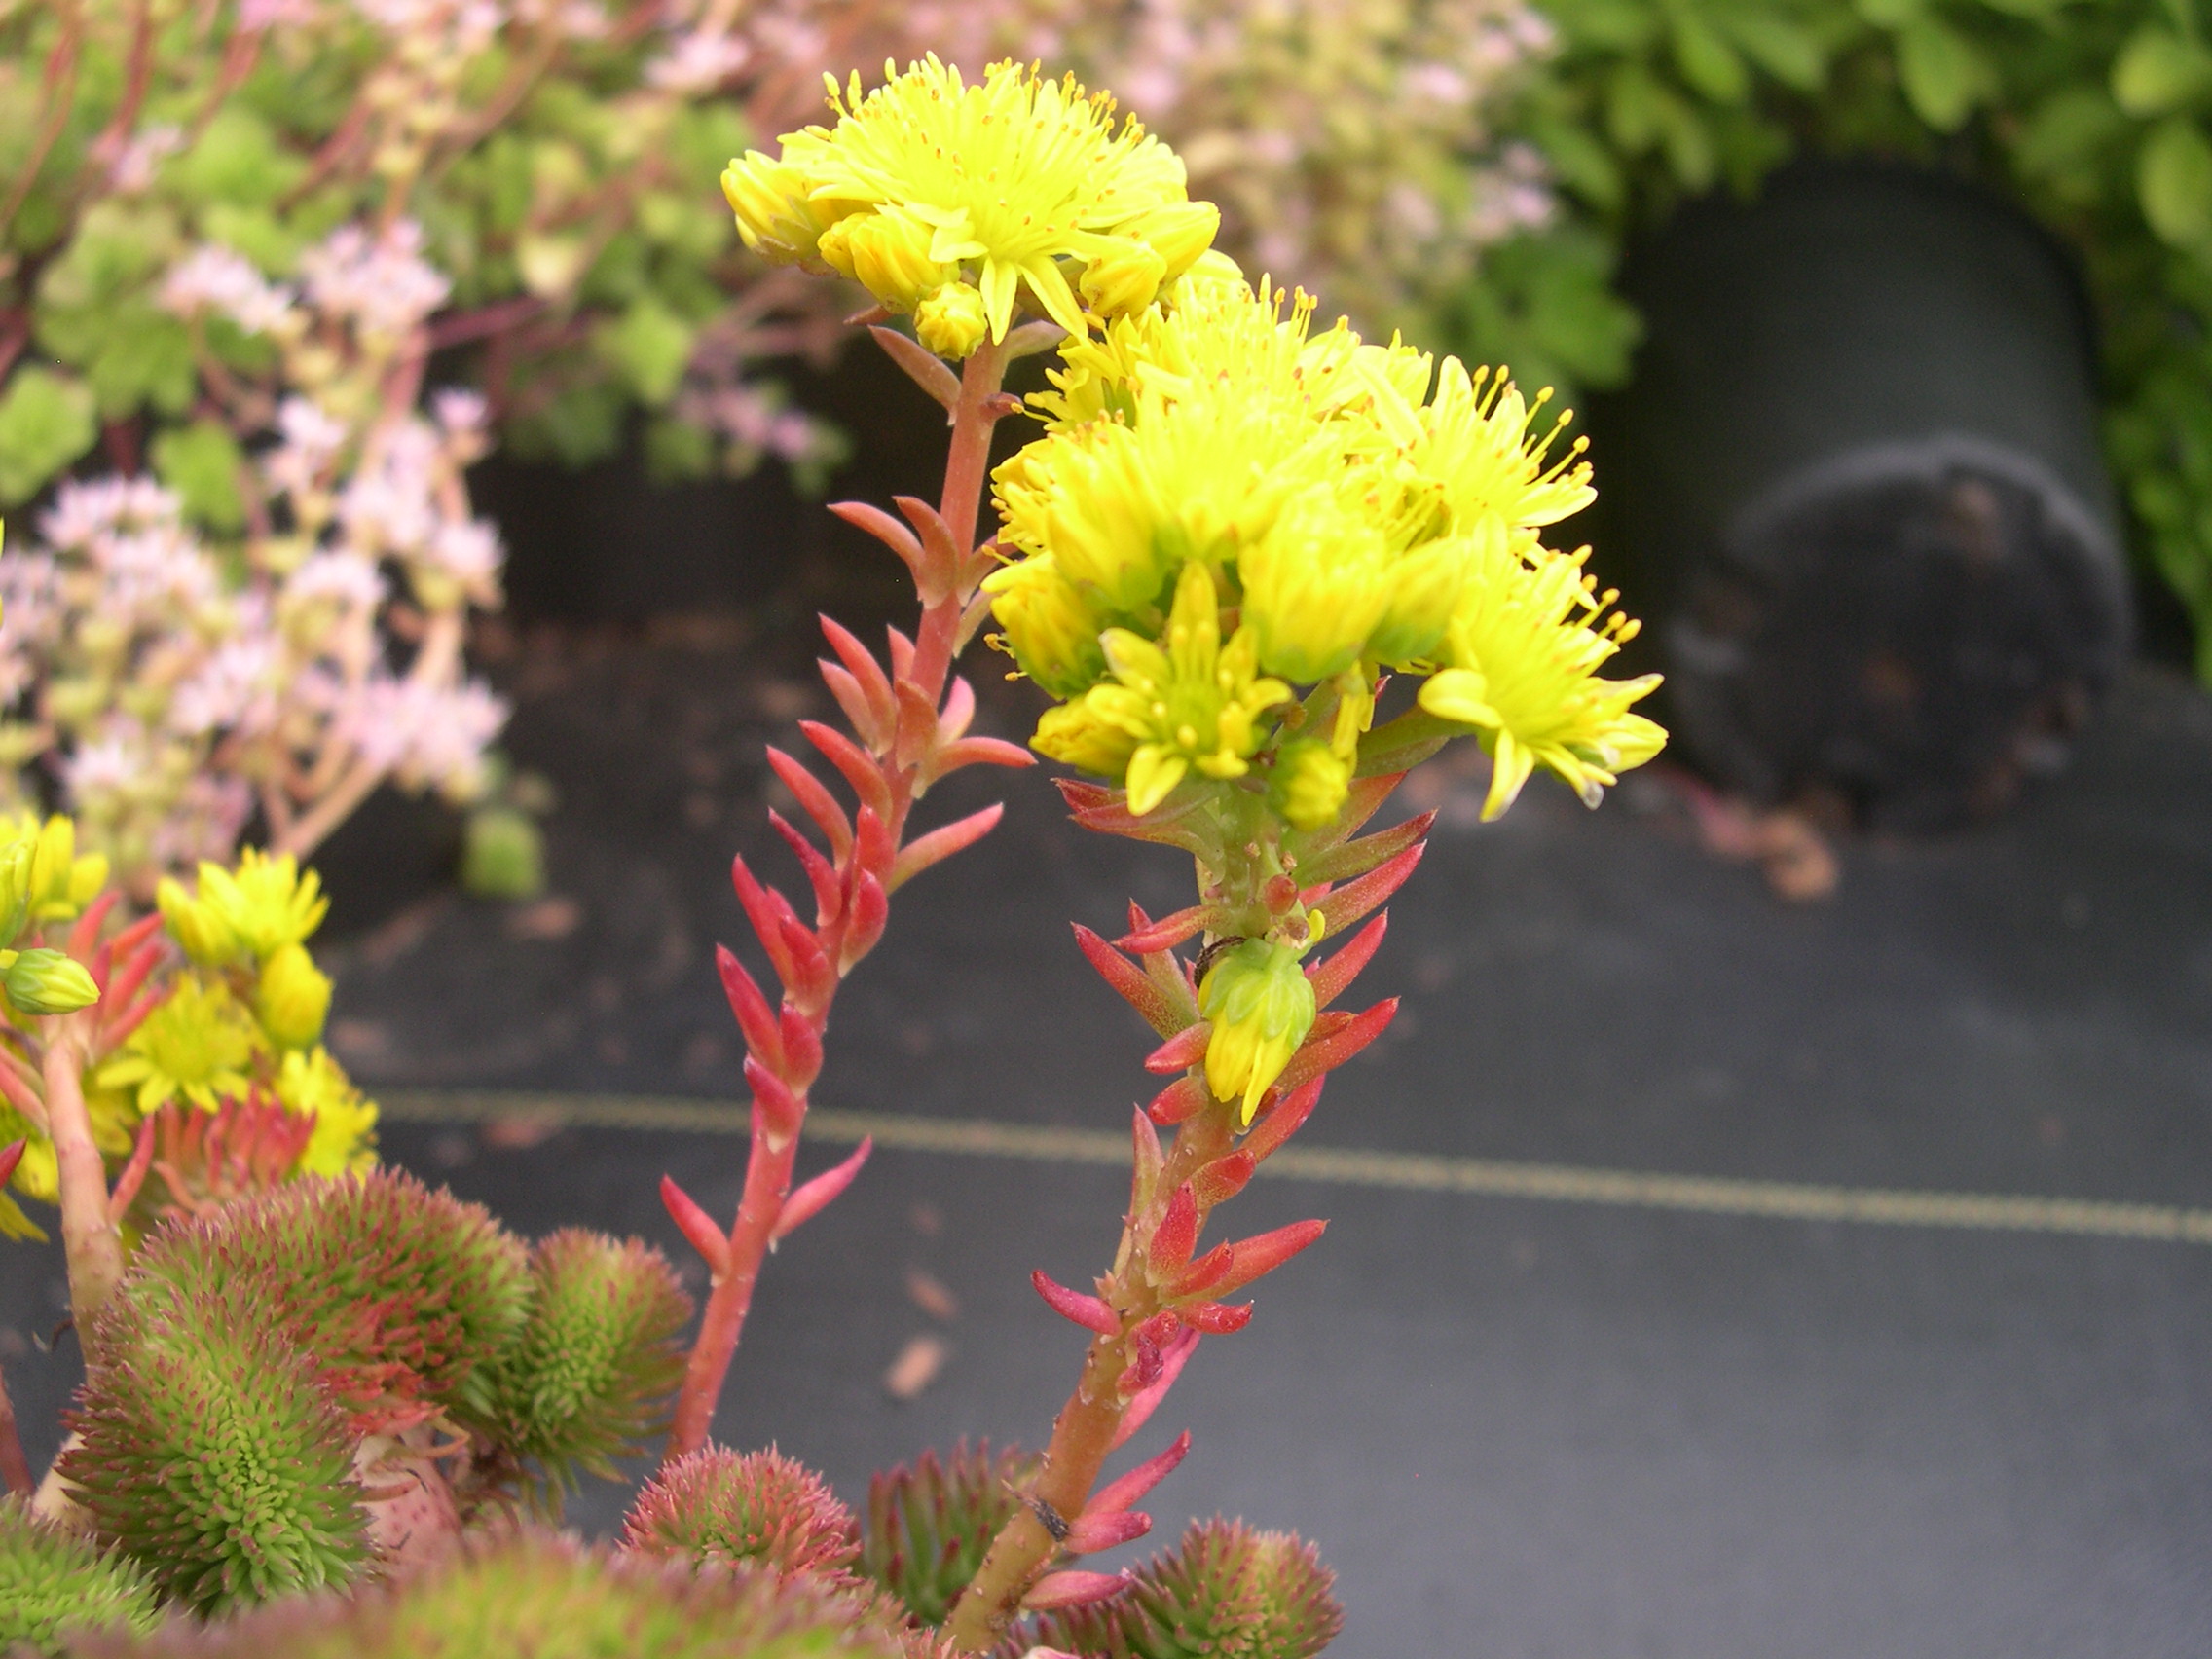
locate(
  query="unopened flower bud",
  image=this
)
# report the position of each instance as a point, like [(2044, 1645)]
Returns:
[(1262, 1007), (1050, 629), (50, 981), (768, 199), (890, 252), (834, 245), (196, 926), (1123, 281), (1425, 585), (1181, 232), (1310, 784), (15, 889), (293, 997), (1315, 588), (1076, 737), (951, 322)]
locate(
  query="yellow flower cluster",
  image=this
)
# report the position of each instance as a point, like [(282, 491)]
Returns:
[(241, 1018), (1213, 465), (952, 202)]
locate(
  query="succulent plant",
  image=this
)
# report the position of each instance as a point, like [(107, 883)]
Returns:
[(1224, 1592), (400, 1294), (720, 1505), (930, 1522), (590, 1373), (211, 1455), (53, 1582), (536, 1595)]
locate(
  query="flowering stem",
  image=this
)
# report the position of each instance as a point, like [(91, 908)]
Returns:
[(89, 1238), (14, 1468), (787, 1061), (1089, 1424)]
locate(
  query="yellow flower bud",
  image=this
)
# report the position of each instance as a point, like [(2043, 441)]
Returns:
[(890, 252), (1315, 588), (1262, 1007), (207, 938), (1050, 629), (1077, 736), (1310, 784), (1124, 279), (293, 998), (50, 981), (15, 889), (952, 322), (1181, 230), (834, 245), (773, 216), (1425, 587)]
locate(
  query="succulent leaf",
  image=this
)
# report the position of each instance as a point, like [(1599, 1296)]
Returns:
[(720, 1505), (930, 1522), (587, 1377), (208, 1452), (1224, 1592), (535, 1596), (54, 1581), (401, 1295)]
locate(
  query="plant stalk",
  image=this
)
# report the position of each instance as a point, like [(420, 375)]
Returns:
[(89, 1238), (771, 1159), (14, 1469)]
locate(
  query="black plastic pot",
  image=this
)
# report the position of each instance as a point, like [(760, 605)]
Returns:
[(1856, 483)]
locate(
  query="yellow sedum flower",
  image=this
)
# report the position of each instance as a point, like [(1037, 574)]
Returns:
[(927, 177), (198, 1045), (344, 1138), (1262, 1007), (1524, 651), (1194, 704), (195, 924), (267, 903)]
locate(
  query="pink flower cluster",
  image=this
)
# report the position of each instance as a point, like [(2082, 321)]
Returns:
[(167, 686)]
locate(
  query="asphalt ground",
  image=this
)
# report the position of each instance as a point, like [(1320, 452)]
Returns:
[(1535, 1394)]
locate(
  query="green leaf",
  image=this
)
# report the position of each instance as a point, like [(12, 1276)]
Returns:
[(1780, 46), (649, 345), (46, 422), (677, 450), (235, 159), (2173, 179), (1944, 74), (1581, 163), (144, 357), (1890, 14), (1632, 109), (1707, 63), (2158, 73), (201, 462), (2067, 130)]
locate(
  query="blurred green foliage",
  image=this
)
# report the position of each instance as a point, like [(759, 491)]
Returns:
[(565, 181), (2091, 113)]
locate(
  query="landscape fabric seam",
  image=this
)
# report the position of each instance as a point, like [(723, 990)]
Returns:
[(1404, 1171)]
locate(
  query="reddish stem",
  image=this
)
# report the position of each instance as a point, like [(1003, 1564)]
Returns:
[(92, 1245), (14, 1471), (769, 1163)]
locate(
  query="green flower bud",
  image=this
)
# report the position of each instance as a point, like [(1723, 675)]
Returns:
[(293, 998), (1310, 784), (1425, 585), (50, 981), (199, 928), (952, 321), (1262, 1007)]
